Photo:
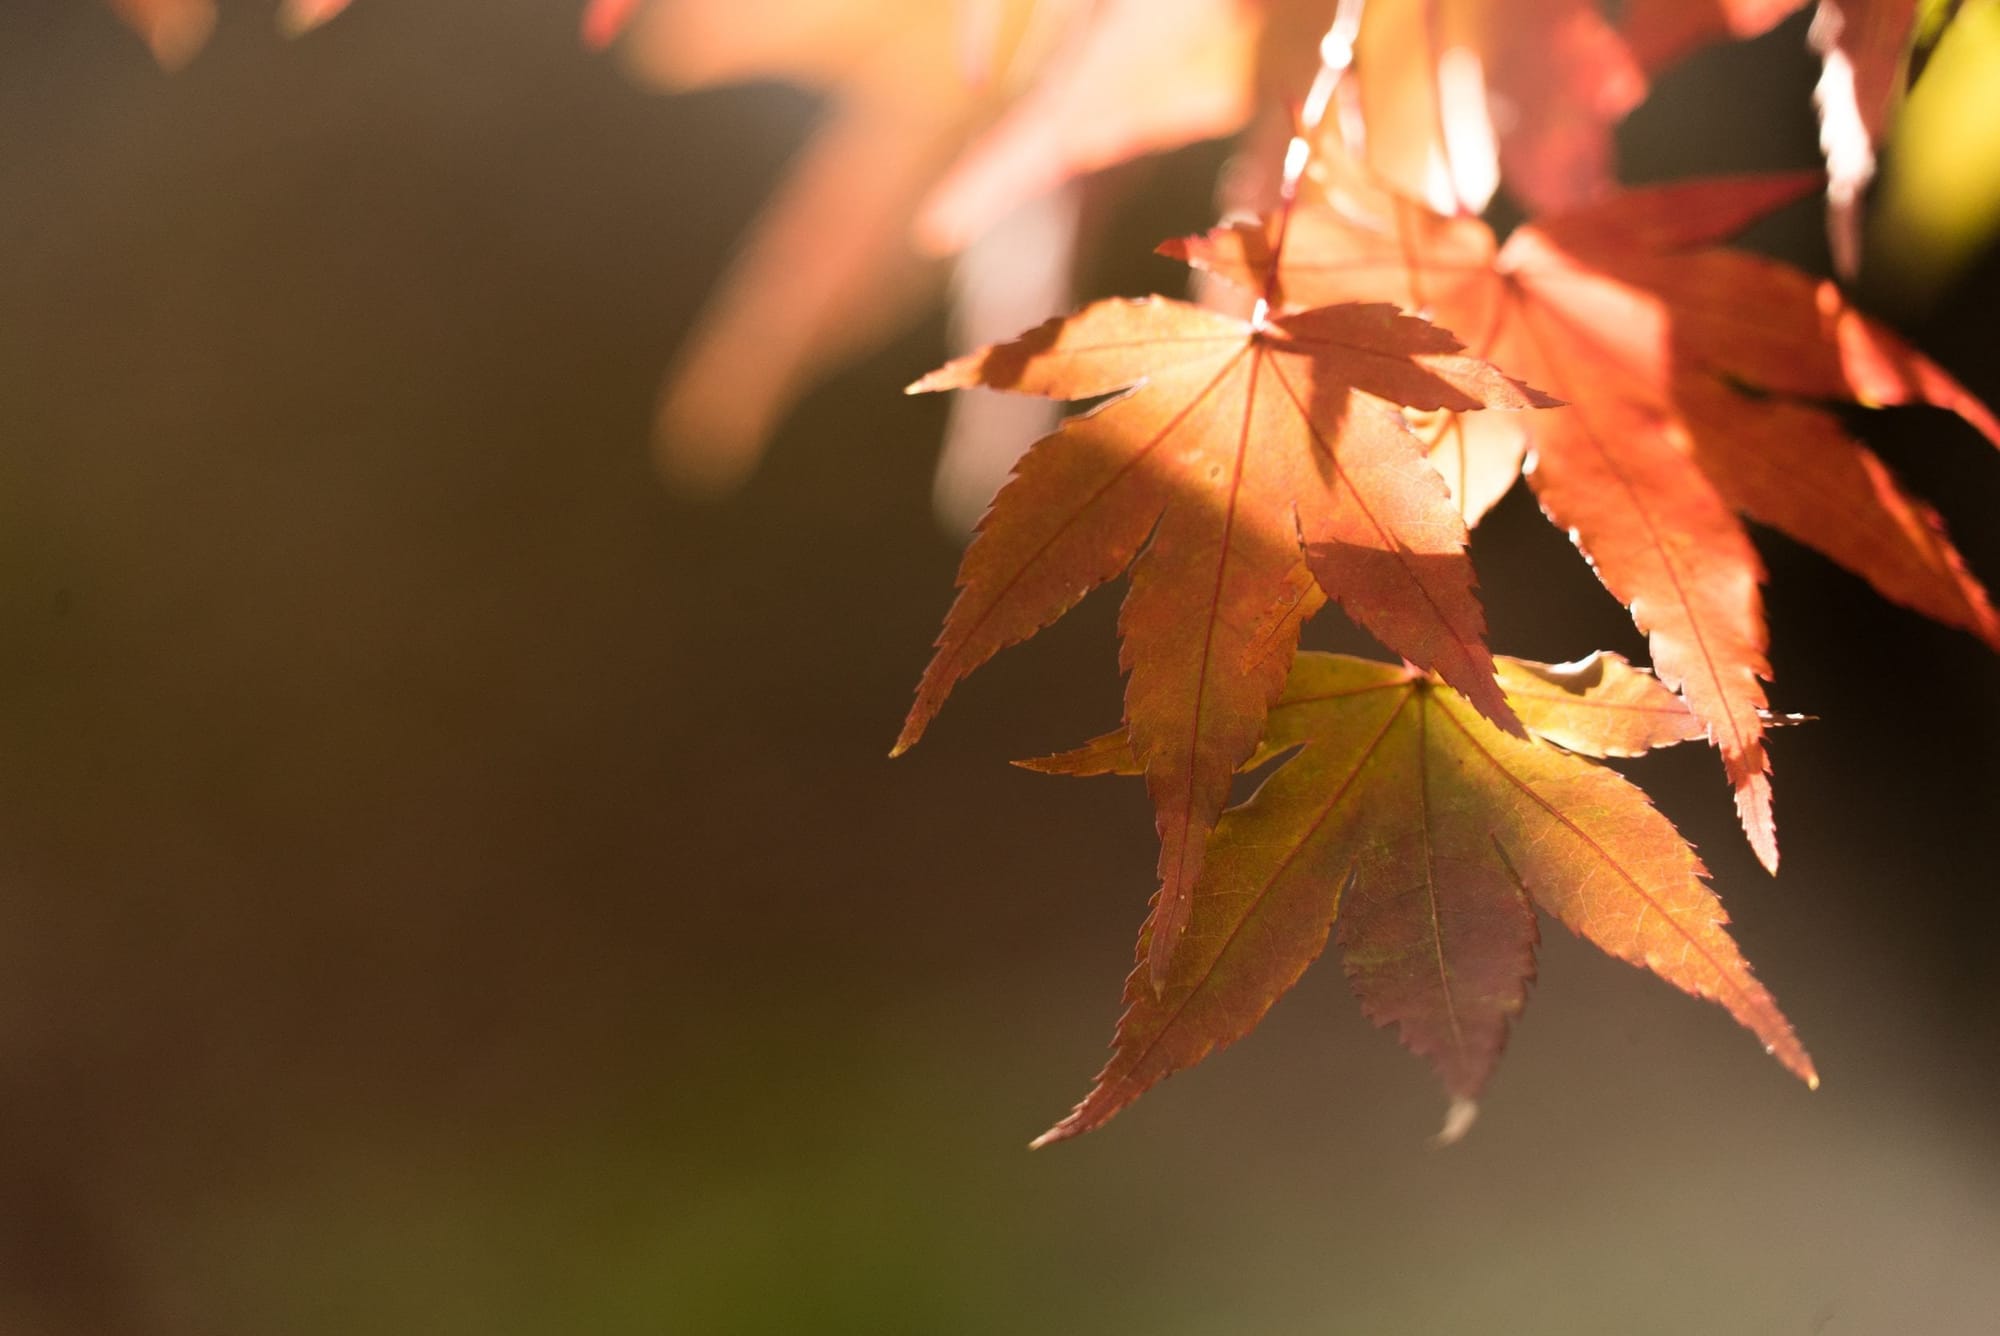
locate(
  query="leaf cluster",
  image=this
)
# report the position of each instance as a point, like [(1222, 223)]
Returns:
[(1657, 390), (1372, 368)]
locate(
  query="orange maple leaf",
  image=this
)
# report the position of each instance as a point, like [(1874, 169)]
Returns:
[(1243, 465), (173, 30), (1695, 376), (1456, 94), (1864, 46), (176, 30), (1427, 837), (940, 119), (1661, 32)]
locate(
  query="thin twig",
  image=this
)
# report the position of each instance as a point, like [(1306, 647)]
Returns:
[(1336, 57)]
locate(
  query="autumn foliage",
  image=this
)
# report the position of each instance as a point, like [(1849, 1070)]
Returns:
[(1373, 370), (1427, 837)]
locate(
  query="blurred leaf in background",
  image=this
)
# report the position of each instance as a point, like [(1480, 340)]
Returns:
[(1940, 199)]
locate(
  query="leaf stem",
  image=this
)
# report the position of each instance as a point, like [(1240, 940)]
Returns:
[(1336, 57)]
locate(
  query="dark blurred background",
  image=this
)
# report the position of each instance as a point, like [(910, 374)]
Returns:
[(448, 885)]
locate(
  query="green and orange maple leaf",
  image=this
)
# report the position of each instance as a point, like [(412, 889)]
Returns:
[(1425, 838)]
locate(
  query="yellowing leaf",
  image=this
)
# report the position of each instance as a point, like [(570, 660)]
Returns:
[(1600, 706), (1423, 834), (1940, 207)]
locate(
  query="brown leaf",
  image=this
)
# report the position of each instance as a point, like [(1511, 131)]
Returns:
[(1235, 448), (1441, 830)]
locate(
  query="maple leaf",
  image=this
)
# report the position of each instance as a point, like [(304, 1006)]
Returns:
[(1457, 93), (1243, 464), (176, 30), (298, 17), (941, 120), (1863, 46), (1695, 377), (1662, 32), (1139, 76), (605, 21), (1428, 837), (827, 270)]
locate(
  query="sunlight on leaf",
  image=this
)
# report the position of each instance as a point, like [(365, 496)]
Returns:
[(1426, 838), (1695, 377), (1241, 461)]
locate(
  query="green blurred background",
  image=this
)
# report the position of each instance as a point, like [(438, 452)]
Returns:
[(448, 885)]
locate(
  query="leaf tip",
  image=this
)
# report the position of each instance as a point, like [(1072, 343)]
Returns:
[(1753, 809), (1062, 1131), (1538, 398), (1458, 1120), (1491, 701), (176, 35), (917, 720), (958, 374), (604, 21), (299, 17)]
